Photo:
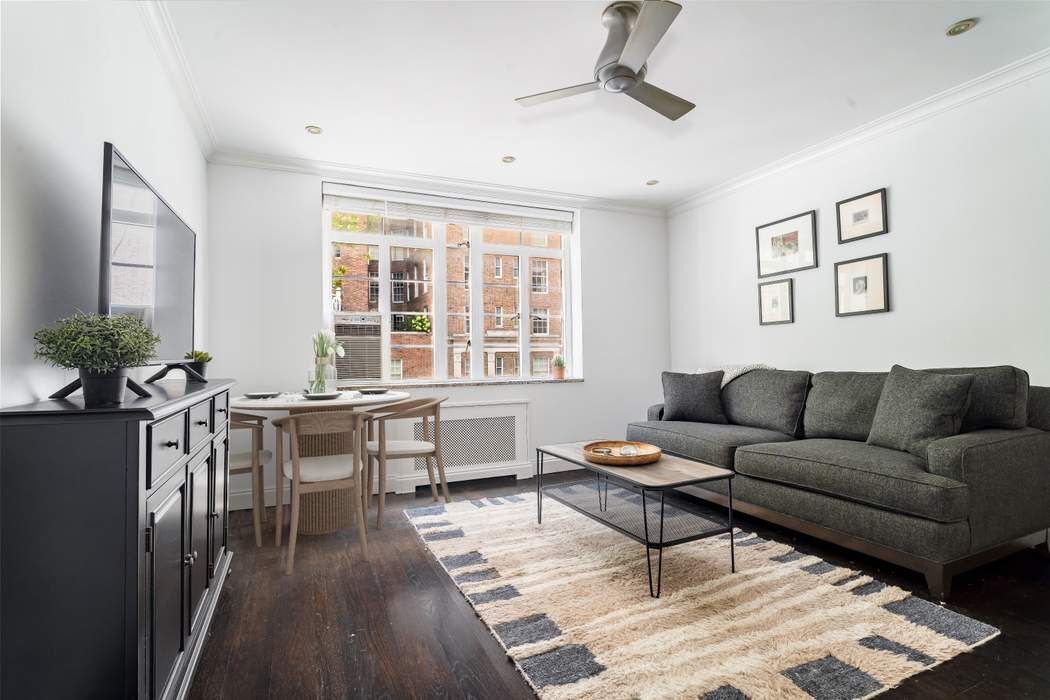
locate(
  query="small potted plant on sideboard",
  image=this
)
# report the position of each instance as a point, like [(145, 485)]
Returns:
[(101, 348), (559, 367), (198, 361)]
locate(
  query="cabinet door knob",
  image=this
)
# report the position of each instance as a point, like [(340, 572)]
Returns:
[(187, 560), (172, 443), (202, 422), (220, 410), (215, 515)]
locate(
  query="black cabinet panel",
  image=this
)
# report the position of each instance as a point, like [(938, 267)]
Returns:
[(167, 445), (200, 423), (197, 552), (166, 564), (220, 477)]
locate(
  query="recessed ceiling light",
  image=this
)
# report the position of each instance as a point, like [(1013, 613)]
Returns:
[(962, 26), (313, 129), (509, 159), (650, 183)]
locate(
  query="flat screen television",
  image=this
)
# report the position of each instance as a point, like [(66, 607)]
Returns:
[(148, 258)]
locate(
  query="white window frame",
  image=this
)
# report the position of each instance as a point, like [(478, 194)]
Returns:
[(541, 315), (498, 266), (497, 317), (400, 369), (402, 287), (546, 363), (545, 288), (520, 255), (498, 366)]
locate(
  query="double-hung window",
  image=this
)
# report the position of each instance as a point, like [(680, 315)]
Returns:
[(406, 306)]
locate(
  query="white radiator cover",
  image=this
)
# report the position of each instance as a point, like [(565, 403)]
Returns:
[(479, 440)]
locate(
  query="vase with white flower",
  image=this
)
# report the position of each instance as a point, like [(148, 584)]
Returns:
[(322, 377)]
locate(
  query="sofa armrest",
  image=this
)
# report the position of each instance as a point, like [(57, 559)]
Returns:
[(1008, 472), (655, 412)]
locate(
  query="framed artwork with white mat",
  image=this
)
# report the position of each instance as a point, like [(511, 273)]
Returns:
[(862, 285), (776, 302), (787, 245), (862, 216)]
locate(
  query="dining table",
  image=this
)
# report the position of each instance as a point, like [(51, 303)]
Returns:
[(324, 511)]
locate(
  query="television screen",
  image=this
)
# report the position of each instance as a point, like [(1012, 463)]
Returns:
[(147, 266)]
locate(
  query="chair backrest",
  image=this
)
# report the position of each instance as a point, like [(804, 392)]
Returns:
[(410, 408), (298, 425)]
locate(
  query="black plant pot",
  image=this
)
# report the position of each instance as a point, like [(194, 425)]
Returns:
[(104, 388), (200, 368)]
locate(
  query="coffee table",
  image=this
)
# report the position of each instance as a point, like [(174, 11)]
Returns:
[(635, 510)]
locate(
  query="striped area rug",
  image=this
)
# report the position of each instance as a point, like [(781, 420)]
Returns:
[(569, 601)]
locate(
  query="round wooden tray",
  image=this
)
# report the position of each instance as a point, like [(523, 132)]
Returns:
[(647, 454)]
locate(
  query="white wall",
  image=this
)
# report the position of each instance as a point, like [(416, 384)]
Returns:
[(267, 262), (76, 75), (969, 250)]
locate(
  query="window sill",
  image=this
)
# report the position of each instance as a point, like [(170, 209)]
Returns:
[(425, 383)]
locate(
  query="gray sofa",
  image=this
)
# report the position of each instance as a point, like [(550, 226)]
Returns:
[(797, 443)]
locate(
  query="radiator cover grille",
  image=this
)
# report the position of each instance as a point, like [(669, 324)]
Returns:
[(469, 442)]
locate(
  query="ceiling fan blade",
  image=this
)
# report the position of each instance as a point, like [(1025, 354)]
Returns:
[(541, 97), (671, 106), (652, 23)]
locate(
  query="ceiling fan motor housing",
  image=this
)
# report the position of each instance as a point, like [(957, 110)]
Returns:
[(619, 18)]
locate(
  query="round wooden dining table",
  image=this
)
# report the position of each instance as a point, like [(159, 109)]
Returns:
[(323, 511)]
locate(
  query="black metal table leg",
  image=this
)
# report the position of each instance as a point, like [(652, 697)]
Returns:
[(732, 535), (539, 487)]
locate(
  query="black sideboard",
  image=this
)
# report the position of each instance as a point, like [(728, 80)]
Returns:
[(113, 547)]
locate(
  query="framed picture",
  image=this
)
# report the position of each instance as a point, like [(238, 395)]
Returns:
[(776, 302), (862, 216), (862, 286), (787, 245)]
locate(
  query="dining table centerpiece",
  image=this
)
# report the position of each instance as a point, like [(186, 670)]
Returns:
[(322, 378)]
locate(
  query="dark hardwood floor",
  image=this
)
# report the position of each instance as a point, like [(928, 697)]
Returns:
[(396, 627)]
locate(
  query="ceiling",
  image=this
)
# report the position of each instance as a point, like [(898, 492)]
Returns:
[(428, 87)]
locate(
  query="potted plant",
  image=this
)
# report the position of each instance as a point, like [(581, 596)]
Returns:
[(198, 361), (101, 348), (326, 349), (559, 367)]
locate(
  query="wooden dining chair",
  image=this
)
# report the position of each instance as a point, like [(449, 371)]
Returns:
[(252, 462), (380, 449), (324, 473)]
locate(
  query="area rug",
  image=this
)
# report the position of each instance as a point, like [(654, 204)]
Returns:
[(569, 601)]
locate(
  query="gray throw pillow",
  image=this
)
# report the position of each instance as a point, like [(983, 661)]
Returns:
[(693, 397), (916, 408)]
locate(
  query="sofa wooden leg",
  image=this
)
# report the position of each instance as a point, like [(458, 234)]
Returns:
[(939, 581)]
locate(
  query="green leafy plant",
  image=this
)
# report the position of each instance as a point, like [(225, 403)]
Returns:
[(559, 361), (420, 324), (197, 356), (97, 343)]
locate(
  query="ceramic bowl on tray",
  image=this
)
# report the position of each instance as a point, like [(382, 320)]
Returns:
[(261, 394), (621, 453)]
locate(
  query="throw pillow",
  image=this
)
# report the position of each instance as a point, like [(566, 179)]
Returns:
[(693, 397), (916, 408)]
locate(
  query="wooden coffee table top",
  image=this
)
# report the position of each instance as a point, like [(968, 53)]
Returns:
[(667, 472)]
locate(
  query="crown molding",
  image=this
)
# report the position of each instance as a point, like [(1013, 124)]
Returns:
[(165, 39), (430, 184), (982, 86)]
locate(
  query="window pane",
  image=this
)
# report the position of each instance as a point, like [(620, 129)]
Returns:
[(360, 336), (350, 222), (536, 239), (542, 363), (355, 278), (412, 228), (411, 303), (500, 298), (410, 270), (546, 316), (457, 295), (499, 236)]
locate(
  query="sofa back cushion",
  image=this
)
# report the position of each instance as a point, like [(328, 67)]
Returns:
[(916, 408), (693, 397), (1039, 407), (998, 398), (767, 398), (841, 405)]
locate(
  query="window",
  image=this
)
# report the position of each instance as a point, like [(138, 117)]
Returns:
[(541, 324), (404, 297), (539, 276)]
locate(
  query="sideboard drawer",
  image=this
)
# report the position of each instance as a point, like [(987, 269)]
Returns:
[(200, 423), (222, 409), (167, 445)]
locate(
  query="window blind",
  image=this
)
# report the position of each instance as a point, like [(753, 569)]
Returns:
[(406, 205)]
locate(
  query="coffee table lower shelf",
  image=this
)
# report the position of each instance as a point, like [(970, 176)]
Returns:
[(645, 515)]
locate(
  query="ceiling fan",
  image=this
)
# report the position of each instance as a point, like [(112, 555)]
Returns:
[(635, 28)]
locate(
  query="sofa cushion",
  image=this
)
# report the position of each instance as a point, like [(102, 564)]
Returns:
[(856, 471), (916, 408), (707, 442), (1039, 407), (693, 397), (767, 398), (998, 398), (842, 404)]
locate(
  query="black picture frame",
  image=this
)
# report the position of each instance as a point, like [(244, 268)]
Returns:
[(885, 216), (812, 214), (885, 285), (791, 301)]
